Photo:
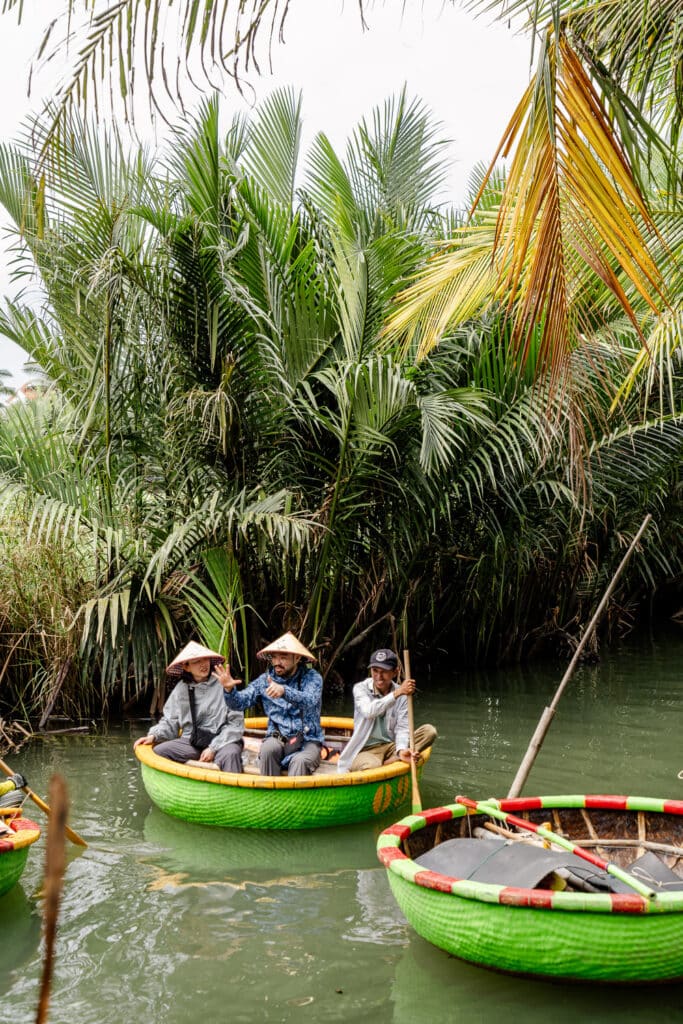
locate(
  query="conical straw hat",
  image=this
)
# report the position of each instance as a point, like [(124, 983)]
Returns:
[(286, 644), (191, 652)]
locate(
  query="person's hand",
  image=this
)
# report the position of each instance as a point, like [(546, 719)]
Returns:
[(406, 689), (274, 689), (143, 739), (206, 754), (224, 677), (18, 779), (411, 755)]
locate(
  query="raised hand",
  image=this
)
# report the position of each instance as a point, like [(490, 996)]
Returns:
[(224, 677)]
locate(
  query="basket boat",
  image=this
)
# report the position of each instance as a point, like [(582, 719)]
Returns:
[(248, 800), (14, 846), (612, 935)]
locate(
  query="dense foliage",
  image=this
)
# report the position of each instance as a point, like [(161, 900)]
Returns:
[(231, 445)]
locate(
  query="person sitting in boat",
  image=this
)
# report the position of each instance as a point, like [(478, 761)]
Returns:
[(380, 719), (11, 790), (196, 725), (290, 692)]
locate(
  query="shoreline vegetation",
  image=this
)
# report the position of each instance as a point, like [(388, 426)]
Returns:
[(228, 444), (293, 391)]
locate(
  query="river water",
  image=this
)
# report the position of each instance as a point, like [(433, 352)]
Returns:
[(175, 922)]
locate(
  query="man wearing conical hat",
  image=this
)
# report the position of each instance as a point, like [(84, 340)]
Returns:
[(195, 724), (291, 694)]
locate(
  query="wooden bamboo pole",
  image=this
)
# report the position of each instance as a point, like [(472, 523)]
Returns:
[(548, 712), (415, 792)]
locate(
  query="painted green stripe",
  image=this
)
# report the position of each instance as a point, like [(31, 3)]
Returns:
[(564, 801), (644, 803), (414, 822), (385, 840), (406, 869), (484, 892), (600, 903)]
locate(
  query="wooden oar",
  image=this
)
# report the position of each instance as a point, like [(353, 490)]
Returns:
[(416, 801), (483, 807), (73, 836)]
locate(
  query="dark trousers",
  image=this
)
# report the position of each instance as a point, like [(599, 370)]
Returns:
[(304, 762), (228, 757)]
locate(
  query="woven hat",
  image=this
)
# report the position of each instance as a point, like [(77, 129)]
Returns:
[(191, 652), (286, 644)]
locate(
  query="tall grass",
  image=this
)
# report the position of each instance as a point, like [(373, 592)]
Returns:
[(42, 587)]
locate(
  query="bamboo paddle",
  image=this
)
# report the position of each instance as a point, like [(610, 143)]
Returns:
[(73, 836), (415, 796), (612, 869)]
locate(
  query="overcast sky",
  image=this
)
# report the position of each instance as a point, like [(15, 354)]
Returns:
[(470, 73)]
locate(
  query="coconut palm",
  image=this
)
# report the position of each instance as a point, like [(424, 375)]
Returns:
[(212, 337), (236, 444)]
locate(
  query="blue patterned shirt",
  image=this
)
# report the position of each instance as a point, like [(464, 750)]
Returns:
[(297, 709)]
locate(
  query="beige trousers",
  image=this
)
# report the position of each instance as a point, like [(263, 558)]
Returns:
[(375, 757)]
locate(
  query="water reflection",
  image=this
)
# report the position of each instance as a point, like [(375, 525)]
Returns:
[(19, 928), (214, 853), (431, 985), (174, 921)]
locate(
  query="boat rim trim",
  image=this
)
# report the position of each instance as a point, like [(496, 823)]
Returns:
[(398, 863)]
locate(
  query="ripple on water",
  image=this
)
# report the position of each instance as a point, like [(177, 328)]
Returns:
[(160, 918)]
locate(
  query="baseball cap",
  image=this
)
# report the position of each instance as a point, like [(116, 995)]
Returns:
[(383, 658)]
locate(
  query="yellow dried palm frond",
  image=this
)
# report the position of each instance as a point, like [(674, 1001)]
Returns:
[(457, 285), (655, 360), (570, 217), (570, 212)]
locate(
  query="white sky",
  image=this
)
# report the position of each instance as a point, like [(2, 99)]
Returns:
[(470, 73)]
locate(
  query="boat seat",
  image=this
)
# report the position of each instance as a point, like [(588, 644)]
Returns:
[(525, 865)]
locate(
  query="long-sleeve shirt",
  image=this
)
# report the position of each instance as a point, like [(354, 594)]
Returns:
[(367, 708), (212, 714), (296, 710)]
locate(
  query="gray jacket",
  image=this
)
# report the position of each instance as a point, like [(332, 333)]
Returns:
[(366, 708), (212, 714)]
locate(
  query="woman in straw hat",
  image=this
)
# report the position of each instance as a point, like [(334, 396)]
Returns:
[(196, 725), (290, 692)]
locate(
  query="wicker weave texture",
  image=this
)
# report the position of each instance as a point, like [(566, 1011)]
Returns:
[(12, 864), (572, 946), (235, 807)]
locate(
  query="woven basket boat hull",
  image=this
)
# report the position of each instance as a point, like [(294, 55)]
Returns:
[(14, 851), (597, 937), (209, 797)]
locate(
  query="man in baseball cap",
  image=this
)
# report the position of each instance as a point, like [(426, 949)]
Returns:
[(380, 718)]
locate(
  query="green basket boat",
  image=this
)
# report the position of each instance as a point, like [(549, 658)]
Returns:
[(14, 848), (613, 936), (246, 800)]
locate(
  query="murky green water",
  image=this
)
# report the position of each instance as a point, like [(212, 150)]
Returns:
[(177, 922)]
